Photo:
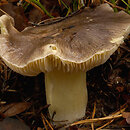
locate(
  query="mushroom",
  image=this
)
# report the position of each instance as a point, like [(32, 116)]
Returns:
[(64, 50)]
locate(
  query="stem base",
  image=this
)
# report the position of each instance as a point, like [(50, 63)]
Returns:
[(66, 93)]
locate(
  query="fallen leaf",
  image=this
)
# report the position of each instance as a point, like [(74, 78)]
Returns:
[(83, 129), (12, 124), (127, 116), (17, 13), (39, 128), (14, 108)]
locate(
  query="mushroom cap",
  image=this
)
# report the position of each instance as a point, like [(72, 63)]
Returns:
[(79, 42)]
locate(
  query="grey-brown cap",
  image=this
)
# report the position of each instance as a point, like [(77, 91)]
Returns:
[(79, 42)]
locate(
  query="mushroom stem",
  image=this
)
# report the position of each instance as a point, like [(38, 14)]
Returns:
[(66, 93)]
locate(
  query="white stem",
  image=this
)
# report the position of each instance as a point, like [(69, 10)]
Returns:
[(66, 93)]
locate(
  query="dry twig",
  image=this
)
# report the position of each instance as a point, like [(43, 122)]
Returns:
[(105, 124), (93, 114), (113, 116), (46, 121), (114, 6)]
